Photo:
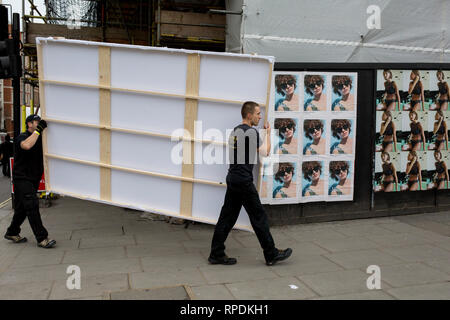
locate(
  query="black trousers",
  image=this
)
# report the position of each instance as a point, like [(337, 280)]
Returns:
[(26, 204), (5, 168), (238, 195)]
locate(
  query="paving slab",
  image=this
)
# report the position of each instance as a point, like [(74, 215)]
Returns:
[(151, 250), (363, 258), (347, 244), (166, 237), (34, 256), (412, 274), (212, 292), (216, 274), (314, 235), (107, 241), (399, 240), (114, 230), (104, 267), (30, 291), (436, 291), (90, 287), (300, 264), (93, 254), (362, 230), (418, 253), (442, 265), (371, 295), (27, 275), (149, 280), (171, 293), (173, 262), (337, 282), (287, 288)]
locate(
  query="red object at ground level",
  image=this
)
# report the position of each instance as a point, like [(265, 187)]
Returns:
[(41, 183)]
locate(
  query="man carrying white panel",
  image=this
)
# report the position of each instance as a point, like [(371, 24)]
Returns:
[(27, 173), (244, 142)]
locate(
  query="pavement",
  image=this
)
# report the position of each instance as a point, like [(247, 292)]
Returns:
[(122, 254)]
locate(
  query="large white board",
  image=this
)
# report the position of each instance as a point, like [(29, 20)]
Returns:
[(117, 115)]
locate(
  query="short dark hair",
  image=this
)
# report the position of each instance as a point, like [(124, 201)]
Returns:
[(336, 81), (339, 123), (283, 166), (311, 79), (334, 165), (281, 123), (248, 107), (308, 166), (284, 78), (311, 124)]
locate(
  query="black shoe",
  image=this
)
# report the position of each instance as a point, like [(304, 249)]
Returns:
[(280, 256), (47, 243), (16, 239), (222, 260)]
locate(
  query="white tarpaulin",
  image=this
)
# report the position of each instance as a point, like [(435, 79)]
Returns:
[(346, 30)]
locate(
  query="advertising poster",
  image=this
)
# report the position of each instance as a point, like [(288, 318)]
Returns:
[(411, 141), (313, 117)]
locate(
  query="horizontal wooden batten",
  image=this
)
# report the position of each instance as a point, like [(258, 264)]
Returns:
[(145, 133), (153, 93), (137, 171)]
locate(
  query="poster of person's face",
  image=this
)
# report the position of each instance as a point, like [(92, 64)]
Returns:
[(284, 181), (342, 141), (389, 85), (285, 136), (387, 172), (438, 94), (313, 181), (315, 92), (286, 93), (437, 173), (340, 182), (414, 165), (314, 137), (414, 131), (343, 93), (388, 124), (437, 138)]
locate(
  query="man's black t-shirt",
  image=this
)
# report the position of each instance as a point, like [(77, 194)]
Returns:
[(28, 164), (244, 143)]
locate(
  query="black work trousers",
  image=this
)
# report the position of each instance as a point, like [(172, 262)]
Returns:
[(238, 195), (5, 168), (26, 204)]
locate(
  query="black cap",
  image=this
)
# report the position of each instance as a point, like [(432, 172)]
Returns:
[(32, 117)]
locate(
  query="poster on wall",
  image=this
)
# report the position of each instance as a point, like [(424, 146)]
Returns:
[(411, 142), (313, 117)]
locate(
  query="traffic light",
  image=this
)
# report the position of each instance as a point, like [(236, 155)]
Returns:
[(10, 61)]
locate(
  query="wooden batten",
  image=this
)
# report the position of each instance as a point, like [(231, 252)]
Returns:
[(43, 114), (266, 115), (104, 68), (190, 116)]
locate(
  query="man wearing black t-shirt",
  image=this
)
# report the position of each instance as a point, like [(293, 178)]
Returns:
[(245, 143), (27, 173)]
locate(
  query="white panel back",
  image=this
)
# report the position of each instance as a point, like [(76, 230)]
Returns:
[(74, 178), (234, 79), (146, 192), (73, 141), (71, 63), (146, 113), (210, 209), (208, 114), (211, 162), (143, 152), (148, 70), (65, 103)]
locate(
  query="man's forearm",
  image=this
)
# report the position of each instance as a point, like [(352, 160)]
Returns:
[(29, 142)]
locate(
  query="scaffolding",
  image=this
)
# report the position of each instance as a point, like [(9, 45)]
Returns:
[(189, 24)]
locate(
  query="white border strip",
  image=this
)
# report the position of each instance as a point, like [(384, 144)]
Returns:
[(345, 43)]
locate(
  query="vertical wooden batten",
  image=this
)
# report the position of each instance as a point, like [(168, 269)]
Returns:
[(190, 116), (104, 72), (266, 115), (43, 114)]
